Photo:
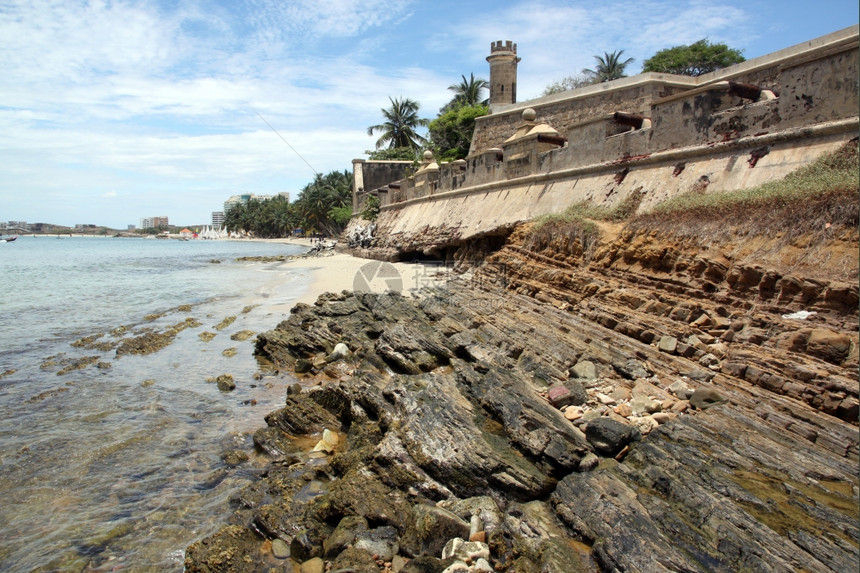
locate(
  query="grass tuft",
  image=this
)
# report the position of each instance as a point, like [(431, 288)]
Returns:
[(573, 229), (565, 232)]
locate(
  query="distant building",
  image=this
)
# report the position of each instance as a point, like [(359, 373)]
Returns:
[(236, 200), (132, 227), (217, 219), (152, 222), (245, 197)]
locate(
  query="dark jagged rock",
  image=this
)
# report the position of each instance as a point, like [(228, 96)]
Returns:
[(609, 436), (355, 560), (302, 416), (432, 528), (699, 501), (439, 432), (427, 564), (380, 542), (737, 443), (344, 535), (534, 540), (306, 545), (360, 493)]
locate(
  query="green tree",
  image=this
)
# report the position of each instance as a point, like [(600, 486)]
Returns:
[(451, 132), (319, 198), (400, 126), (340, 215), (696, 59), (324, 205), (569, 83), (393, 154), (468, 93), (609, 67), (371, 208), (276, 217), (286, 219)]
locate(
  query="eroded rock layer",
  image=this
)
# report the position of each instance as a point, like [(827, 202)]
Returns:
[(643, 405)]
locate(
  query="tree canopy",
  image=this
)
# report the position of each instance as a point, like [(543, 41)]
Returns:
[(568, 83), (393, 154), (323, 206), (400, 126), (695, 59), (609, 67), (451, 132)]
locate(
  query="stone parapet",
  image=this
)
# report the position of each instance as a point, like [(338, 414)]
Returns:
[(654, 134)]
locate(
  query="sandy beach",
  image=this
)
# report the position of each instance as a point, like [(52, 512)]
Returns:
[(341, 271), (334, 272)]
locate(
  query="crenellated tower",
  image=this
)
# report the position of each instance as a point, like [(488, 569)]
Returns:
[(503, 72)]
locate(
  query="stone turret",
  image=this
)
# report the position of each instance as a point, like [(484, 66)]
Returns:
[(503, 72)]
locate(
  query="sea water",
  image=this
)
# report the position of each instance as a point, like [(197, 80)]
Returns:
[(114, 462)]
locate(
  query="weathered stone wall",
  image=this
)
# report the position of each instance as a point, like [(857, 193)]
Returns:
[(630, 94), (799, 71), (707, 115), (432, 224), (820, 89), (715, 136), (368, 176)]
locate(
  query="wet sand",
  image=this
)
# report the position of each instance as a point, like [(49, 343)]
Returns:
[(332, 271)]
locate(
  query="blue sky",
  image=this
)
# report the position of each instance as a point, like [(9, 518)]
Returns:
[(111, 111)]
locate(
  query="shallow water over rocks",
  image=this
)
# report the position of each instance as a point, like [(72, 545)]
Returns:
[(117, 460)]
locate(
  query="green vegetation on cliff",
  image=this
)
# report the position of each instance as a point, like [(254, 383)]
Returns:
[(813, 199), (575, 224), (816, 200)]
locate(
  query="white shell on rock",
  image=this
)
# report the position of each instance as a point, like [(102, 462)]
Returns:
[(452, 546), (466, 550), (328, 443), (340, 351)]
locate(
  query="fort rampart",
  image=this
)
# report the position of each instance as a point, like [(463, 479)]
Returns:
[(657, 135)]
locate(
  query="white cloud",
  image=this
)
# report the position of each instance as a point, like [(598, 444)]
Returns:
[(71, 41), (157, 101)]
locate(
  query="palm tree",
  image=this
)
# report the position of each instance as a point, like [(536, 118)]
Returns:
[(609, 67), (319, 197), (401, 121), (468, 92)]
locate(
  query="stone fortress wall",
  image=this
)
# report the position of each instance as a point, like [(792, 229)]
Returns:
[(654, 134)]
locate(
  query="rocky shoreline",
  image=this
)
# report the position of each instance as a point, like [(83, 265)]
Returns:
[(543, 414)]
